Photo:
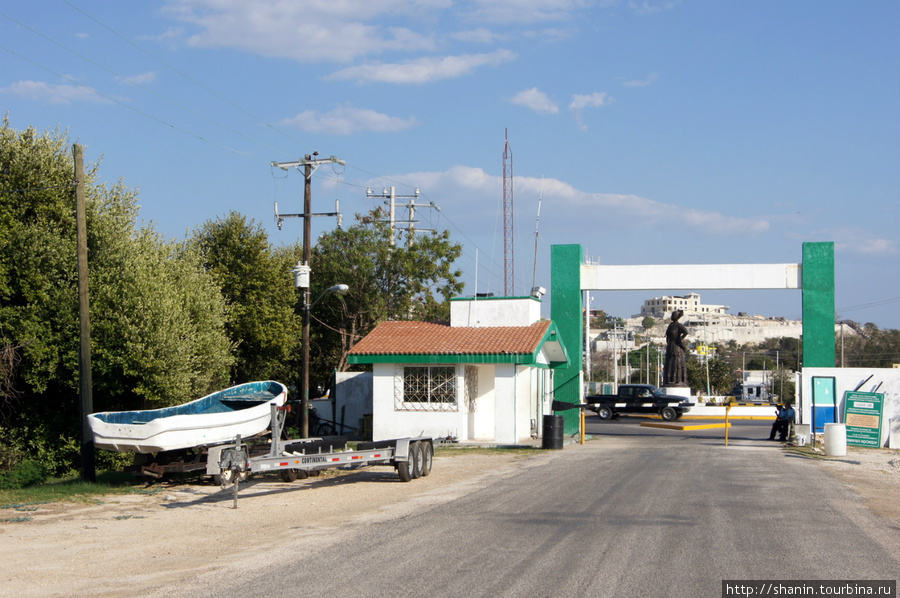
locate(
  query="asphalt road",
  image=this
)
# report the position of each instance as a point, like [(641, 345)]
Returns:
[(636, 512)]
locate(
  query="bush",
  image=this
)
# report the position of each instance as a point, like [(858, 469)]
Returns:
[(26, 473)]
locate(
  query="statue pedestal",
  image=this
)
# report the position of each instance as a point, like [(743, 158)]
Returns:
[(677, 391)]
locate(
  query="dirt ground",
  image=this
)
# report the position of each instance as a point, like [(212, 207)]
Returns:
[(145, 544)]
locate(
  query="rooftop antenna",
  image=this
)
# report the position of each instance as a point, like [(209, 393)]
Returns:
[(536, 223), (508, 237)]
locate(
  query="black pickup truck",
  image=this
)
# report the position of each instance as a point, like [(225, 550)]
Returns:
[(639, 398)]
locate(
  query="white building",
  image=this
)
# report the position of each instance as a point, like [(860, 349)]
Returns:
[(662, 307), (488, 376)]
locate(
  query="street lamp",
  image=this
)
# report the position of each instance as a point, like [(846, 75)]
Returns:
[(338, 289)]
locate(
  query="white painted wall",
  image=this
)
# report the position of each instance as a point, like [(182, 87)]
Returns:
[(389, 423), (490, 311), (847, 379), (505, 383)]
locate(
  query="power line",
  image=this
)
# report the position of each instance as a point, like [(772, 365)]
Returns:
[(124, 105), (185, 76)]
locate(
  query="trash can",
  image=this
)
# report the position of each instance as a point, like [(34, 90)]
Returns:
[(835, 440), (553, 432)]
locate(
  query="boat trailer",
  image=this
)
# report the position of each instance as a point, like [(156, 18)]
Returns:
[(298, 458)]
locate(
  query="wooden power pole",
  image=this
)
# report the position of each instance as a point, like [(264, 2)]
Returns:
[(88, 471)]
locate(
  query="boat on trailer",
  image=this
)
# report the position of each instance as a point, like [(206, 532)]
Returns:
[(243, 410)]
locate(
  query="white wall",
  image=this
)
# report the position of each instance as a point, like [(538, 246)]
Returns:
[(505, 383), (886, 380), (479, 313)]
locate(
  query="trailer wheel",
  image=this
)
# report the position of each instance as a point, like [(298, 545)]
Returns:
[(226, 478), (415, 459), (427, 458), (604, 412), (668, 413), (292, 475), (403, 471)]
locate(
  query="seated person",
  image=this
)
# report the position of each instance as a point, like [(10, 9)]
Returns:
[(783, 420)]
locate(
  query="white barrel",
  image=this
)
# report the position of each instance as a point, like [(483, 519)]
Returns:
[(835, 440)]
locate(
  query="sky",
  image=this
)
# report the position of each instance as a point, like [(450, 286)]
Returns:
[(649, 132)]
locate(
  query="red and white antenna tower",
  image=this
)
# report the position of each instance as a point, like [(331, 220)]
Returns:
[(508, 236)]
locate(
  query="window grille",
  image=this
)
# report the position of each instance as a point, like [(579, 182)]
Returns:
[(425, 388)]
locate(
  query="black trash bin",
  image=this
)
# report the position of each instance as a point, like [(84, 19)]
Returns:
[(553, 432)]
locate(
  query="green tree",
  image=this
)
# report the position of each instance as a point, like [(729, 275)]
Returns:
[(868, 346), (387, 282), (722, 376), (255, 279), (157, 319)]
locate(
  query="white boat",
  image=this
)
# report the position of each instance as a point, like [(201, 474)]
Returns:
[(219, 417)]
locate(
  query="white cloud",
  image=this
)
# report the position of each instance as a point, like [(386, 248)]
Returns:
[(590, 101), (476, 36), (39, 91), (650, 80), (860, 241), (535, 100), (141, 79), (524, 11), (315, 31), (347, 121), (423, 70), (649, 8), (594, 100), (481, 190)]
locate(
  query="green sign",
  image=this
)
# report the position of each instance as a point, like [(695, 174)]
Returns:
[(862, 415)]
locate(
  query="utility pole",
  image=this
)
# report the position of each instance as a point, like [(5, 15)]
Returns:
[(88, 470), (302, 272), (391, 198)]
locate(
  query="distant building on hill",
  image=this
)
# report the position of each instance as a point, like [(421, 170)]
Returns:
[(662, 307)]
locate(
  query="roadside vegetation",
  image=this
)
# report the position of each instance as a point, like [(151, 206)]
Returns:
[(171, 320)]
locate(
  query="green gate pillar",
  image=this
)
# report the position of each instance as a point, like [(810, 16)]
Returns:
[(818, 305), (566, 312)]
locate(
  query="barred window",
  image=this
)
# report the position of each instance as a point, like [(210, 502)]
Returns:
[(428, 387)]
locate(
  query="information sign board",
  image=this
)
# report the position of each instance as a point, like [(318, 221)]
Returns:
[(862, 415)]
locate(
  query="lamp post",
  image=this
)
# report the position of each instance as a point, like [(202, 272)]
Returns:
[(301, 278)]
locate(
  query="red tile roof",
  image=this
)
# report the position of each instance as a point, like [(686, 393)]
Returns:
[(424, 338)]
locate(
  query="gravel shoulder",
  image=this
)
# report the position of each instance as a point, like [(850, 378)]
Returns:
[(144, 544)]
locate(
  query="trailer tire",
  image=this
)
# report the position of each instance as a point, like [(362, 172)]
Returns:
[(226, 478), (427, 458), (292, 475), (403, 471), (415, 459), (604, 412), (668, 414)]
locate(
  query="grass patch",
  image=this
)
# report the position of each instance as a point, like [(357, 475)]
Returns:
[(74, 490)]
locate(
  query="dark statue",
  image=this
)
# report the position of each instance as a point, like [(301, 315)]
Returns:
[(675, 370)]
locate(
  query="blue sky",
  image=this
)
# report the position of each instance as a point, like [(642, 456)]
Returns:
[(652, 132)]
